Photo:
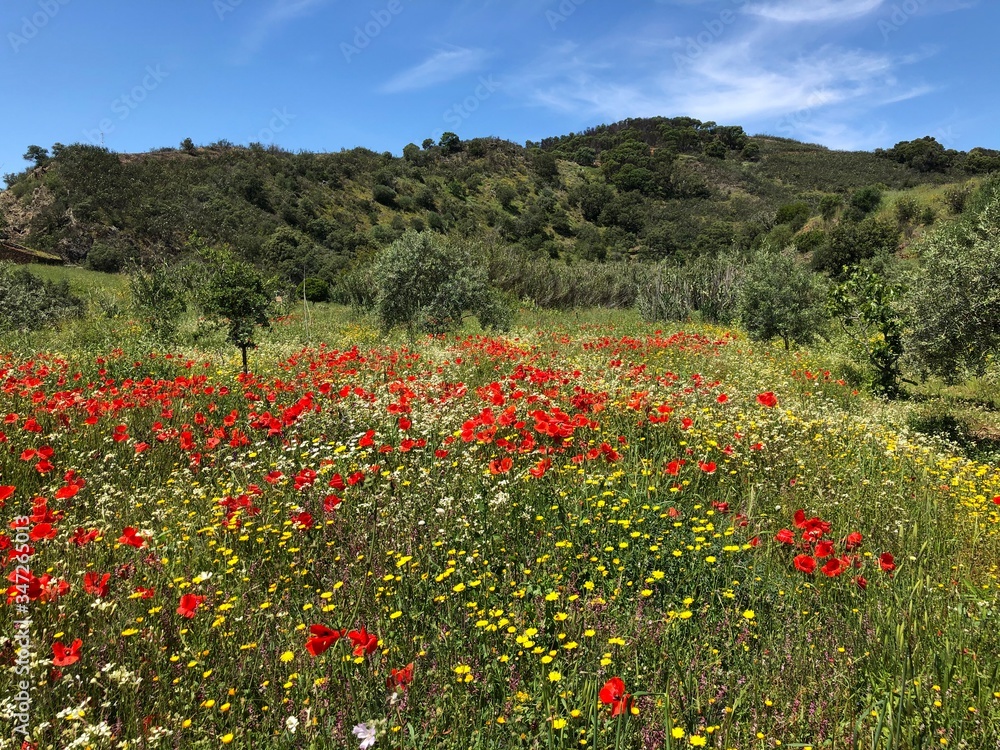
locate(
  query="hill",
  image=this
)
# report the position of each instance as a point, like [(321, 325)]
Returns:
[(639, 189)]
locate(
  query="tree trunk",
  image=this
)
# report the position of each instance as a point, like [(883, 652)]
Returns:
[(243, 351)]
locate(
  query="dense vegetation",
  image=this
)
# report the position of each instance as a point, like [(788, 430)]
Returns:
[(607, 535), (652, 189)]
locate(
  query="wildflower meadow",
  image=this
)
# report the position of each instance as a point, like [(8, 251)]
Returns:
[(586, 535)]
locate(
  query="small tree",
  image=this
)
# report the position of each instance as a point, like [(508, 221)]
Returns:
[(954, 302), (779, 297), (159, 298), (450, 143), (237, 294), (424, 284), (867, 304), (37, 154)]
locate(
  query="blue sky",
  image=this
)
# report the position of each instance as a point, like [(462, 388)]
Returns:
[(323, 75)]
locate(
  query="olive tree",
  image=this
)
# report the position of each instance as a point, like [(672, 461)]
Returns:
[(954, 302), (425, 284), (779, 297)]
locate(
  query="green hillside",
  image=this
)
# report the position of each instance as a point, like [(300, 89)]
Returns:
[(646, 189)]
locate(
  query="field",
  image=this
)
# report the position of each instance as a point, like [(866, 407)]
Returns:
[(591, 533)]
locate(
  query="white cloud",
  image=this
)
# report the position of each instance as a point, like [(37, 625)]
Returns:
[(764, 75), (279, 13), (438, 68), (814, 11)]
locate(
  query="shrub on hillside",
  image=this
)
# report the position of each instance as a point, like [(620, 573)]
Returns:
[(28, 302), (424, 284)]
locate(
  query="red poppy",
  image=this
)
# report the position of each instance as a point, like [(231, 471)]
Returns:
[(834, 567), (862, 582), (785, 536), (330, 503), (501, 466), (189, 605), (96, 584), (613, 694), (767, 399), (853, 541), (400, 678), (6, 491), (63, 656), (145, 593), (130, 536), (322, 638), (43, 531), (823, 549), (805, 563), (364, 642), (674, 467), (887, 562), (707, 466), (722, 398), (539, 469)]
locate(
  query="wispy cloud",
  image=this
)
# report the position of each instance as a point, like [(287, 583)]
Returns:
[(814, 11), (438, 68), (762, 73), (277, 14)]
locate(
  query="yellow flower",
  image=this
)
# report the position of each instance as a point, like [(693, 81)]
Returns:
[(558, 723), (677, 733), (554, 676), (287, 656), (227, 738), (697, 740), (749, 614)]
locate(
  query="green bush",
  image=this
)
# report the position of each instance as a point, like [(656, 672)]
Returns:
[(778, 297), (424, 284), (28, 303)]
